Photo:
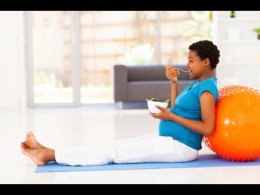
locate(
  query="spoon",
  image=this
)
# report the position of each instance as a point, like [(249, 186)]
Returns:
[(186, 71)]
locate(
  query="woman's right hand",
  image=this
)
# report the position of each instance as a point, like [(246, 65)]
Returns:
[(171, 73)]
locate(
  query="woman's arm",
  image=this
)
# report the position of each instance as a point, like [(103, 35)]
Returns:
[(205, 126), (171, 73), (174, 92)]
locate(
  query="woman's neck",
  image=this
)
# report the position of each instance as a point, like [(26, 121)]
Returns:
[(206, 75)]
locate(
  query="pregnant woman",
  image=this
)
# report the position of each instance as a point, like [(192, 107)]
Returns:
[(181, 129)]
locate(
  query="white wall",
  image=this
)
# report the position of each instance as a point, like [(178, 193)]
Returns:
[(239, 48), (12, 60)]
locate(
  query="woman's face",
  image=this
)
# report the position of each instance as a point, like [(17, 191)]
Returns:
[(195, 65)]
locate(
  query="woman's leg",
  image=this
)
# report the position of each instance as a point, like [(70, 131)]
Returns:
[(151, 148)]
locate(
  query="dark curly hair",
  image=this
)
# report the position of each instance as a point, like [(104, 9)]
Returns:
[(206, 49)]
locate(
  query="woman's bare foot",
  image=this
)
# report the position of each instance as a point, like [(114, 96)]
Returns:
[(31, 142), (37, 155)]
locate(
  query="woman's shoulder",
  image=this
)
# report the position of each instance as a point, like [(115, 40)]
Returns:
[(210, 82), (210, 85)]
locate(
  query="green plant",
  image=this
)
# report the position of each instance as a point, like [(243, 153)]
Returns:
[(232, 14), (257, 30)]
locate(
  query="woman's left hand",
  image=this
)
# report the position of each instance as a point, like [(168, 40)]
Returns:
[(165, 113)]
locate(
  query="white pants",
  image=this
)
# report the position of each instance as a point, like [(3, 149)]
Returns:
[(149, 148)]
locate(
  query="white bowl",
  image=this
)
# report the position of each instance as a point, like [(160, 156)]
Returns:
[(152, 104)]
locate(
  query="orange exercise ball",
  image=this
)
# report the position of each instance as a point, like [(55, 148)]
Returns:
[(236, 136)]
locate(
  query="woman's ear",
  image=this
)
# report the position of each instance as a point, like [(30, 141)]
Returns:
[(206, 61)]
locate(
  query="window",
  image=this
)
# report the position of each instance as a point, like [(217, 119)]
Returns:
[(71, 54), (50, 58), (105, 38)]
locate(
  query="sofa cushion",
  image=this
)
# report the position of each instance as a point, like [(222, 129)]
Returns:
[(152, 73), (138, 91), (146, 73)]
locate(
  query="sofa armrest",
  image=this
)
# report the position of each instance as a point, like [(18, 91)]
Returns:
[(120, 83)]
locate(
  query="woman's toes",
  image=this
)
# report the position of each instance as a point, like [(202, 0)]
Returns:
[(23, 145), (30, 134)]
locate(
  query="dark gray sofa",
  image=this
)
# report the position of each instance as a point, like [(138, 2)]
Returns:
[(133, 84)]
